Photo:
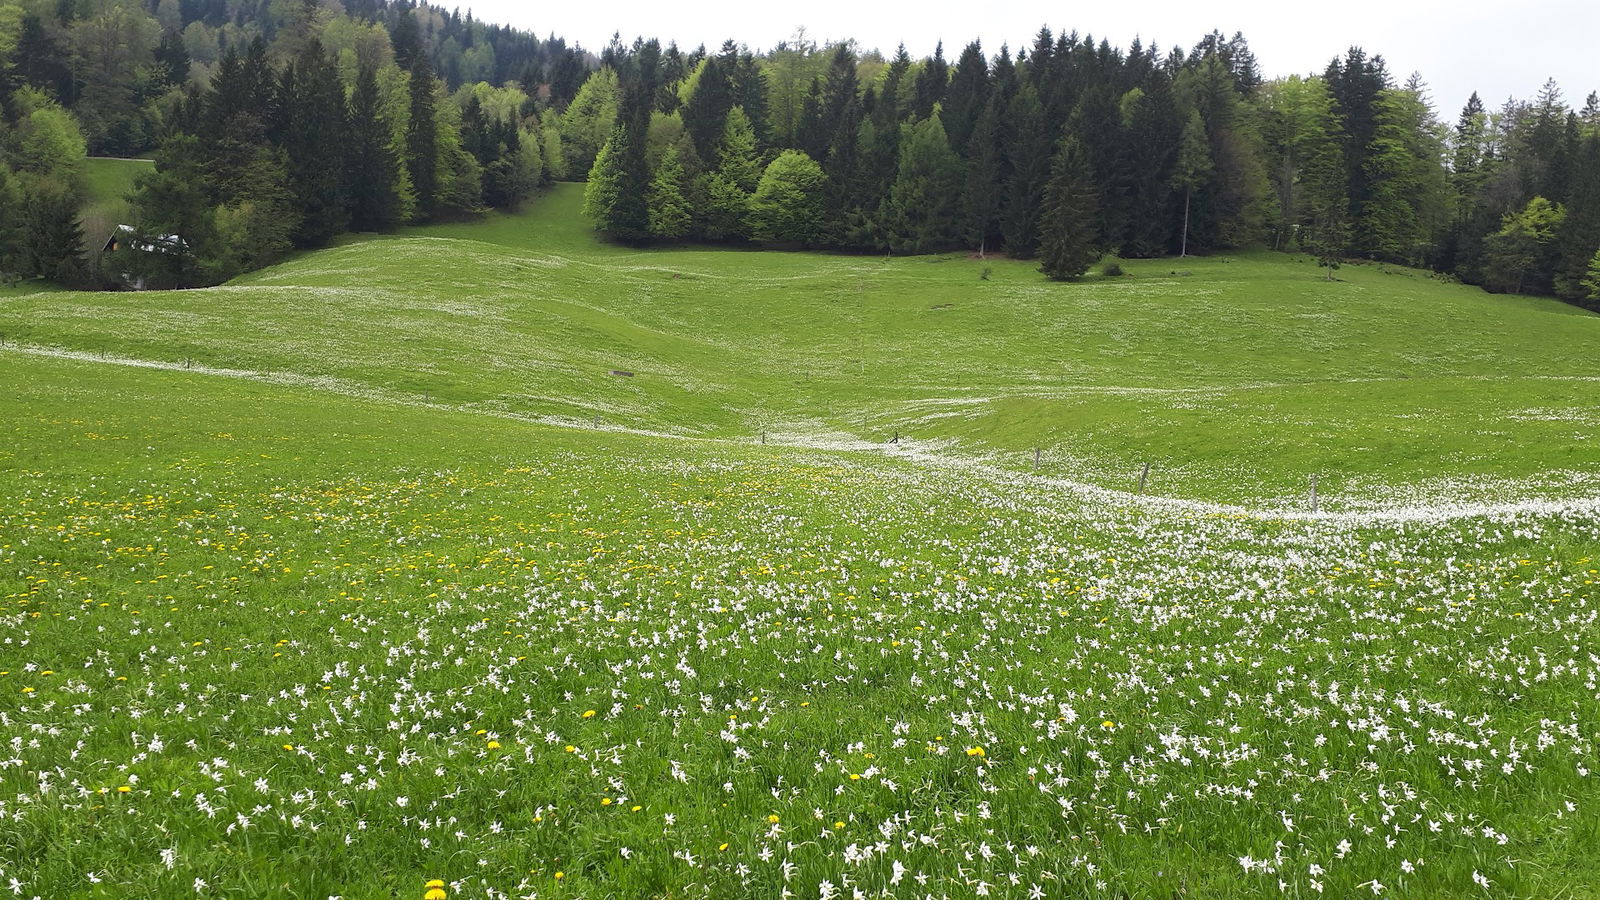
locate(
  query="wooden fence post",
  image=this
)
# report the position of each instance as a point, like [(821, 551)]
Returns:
[(1315, 504), (1144, 476)]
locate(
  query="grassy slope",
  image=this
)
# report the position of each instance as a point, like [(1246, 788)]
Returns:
[(326, 609), (1236, 380), (109, 181)]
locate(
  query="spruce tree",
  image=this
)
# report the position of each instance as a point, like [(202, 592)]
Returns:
[(371, 167), (1067, 229), (925, 201), (967, 97), (981, 189), (313, 132), (931, 83), (422, 140), (1591, 279), (51, 238), (1580, 233), (1028, 154), (706, 107), (669, 211)]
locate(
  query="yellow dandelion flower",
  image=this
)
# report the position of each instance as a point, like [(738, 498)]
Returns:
[(854, 776), (838, 825), (773, 819), (1108, 724), (606, 801), (124, 789), (560, 875), (494, 745), (288, 746), (434, 894), (588, 714), (571, 749), (721, 847), (975, 751)]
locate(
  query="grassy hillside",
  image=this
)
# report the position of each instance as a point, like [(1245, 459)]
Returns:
[(290, 643), (109, 182), (309, 586), (1236, 378)]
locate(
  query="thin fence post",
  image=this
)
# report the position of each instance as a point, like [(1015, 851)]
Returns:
[(1144, 476), (1036, 452), (1315, 504)]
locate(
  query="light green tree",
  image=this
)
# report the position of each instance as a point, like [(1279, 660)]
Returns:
[(1192, 169), (787, 205), (587, 123), (669, 211), (1592, 281), (1519, 246)]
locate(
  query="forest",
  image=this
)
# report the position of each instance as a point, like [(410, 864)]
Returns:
[(281, 124)]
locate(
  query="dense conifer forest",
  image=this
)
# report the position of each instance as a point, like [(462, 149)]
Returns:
[(281, 124)]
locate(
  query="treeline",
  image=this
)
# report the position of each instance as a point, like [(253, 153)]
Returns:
[(1074, 148), (274, 124), (281, 123)]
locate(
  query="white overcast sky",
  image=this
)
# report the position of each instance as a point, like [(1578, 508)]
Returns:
[(1500, 49)]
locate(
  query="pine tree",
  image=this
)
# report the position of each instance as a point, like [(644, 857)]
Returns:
[(313, 132), (372, 168), (407, 40), (1356, 83), (1067, 228), (1029, 159), (925, 202), (1580, 233), (967, 97), (51, 238), (616, 197), (422, 140), (669, 211), (705, 108), (930, 85), (981, 190)]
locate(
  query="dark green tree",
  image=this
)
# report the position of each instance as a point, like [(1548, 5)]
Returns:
[(967, 97), (1068, 231), (372, 169), (982, 194), (1028, 154), (931, 82), (422, 139), (313, 132), (51, 241), (925, 202)]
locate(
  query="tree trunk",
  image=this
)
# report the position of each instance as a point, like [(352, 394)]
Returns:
[(1183, 248)]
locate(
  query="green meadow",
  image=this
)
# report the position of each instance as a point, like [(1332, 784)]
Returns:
[(371, 568)]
